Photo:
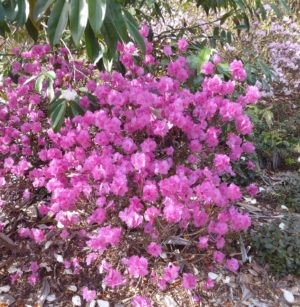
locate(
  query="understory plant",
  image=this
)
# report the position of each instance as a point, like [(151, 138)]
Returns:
[(123, 164), (278, 245)]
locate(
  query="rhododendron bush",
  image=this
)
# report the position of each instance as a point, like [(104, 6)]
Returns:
[(147, 160)]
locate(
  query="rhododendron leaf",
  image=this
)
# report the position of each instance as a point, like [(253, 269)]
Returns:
[(40, 8), (32, 29), (54, 104), (10, 10), (78, 15), (285, 5), (50, 74), (50, 89), (58, 20), (134, 30), (58, 116), (76, 108), (23, 12), (39, 83), (114, 14), (97, 11), (93, 48), (111, 38)]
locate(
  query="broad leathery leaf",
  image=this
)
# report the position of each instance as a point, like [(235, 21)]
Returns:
[(93, 48), (111, 37), (32, 29), (114, 14), (40, 8), (58, 116), (39, 83), (78, 15), (50, 74), (10, 10), (133, 29), (58, 20), (23, 12), (50, 90), (97, 11)]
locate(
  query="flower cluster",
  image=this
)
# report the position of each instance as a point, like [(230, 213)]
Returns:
[(152, 155)]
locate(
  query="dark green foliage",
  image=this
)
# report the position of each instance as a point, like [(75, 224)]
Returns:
[(277, 134), (95, 20), (278, 245)]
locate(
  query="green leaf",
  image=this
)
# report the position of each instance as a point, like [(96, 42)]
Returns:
[(39, 83), (134, 30), (76, 108), (58, 116), (50, 90), (276, 10), (23, 12), (58, 20), (50, 74), (93, 48), (32, 29), (114, 14), (204, 55), (78, 15), (97, 11), (285, 5), (40, 8), (111, 37)]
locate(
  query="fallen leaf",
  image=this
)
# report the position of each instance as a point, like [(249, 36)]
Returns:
[(288, 296)]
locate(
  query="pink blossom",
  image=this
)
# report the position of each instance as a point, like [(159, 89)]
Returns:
[(203, 242), (168, 50), (232, 264), (216, 59), (150, 192), (182, 44), (88, 294), (154, 249), (252, 94), (207, 68), (252, 189), (137, 266), (237, 70), (171, 272), (189, 281), (114, 279), (218, 256), (141, 301)]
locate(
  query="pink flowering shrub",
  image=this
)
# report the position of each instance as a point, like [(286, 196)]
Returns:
[(152, 159)]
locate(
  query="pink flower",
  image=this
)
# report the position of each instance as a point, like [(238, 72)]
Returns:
[(252, 189), (252, 94), (182, 44), (203, 242), (237, 70), (244, 125), (114, 279), (141, 301), (232, 264), (209, 284), (38, 235), (154, 249), (171, 272), (150, 192), (189, 281), (168, 50), (139, 161), (218, 256), (88, 294), (137, 266), (207, 68), (216, 59)]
